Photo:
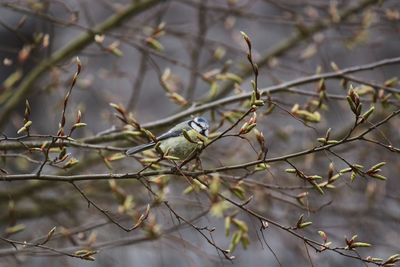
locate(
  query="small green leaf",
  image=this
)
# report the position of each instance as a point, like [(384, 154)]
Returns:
[(314, 177), (241, 225), (155, 44), (334, 177), (117, 156), (116, 51), (368, 113), (15, 229), (353, 176), (323, 235), (228, 221), (171, 157), (25, 127), (346, 170), (79, 125), (351, 104), (214, 88), (378, 176), (372, 259), (332, 142), (188, 190), (49, 236), (219, 52), (86, 254), (392, 260), (259, 103), (12, 79), (218, 208), (187, 136), (377, 166), (215, 185), (360, 245), (245, 36), (233, 77), (245, 241), (239, 192), (236, 237), (262, 167), (70, 163), (304, 224), (391, 82), (316, 186)]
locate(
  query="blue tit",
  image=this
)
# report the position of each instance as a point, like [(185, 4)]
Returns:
[(174, 143)]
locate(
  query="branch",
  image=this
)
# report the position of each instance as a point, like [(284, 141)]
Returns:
[(43, 247), (139, 222), (173, 171)]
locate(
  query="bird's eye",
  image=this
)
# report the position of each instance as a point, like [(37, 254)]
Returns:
[(201, 122)]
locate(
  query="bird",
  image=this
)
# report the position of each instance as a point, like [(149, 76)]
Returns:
[(174, 142)]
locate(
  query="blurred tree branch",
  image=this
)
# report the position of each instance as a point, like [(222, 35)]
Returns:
[(64, 53)]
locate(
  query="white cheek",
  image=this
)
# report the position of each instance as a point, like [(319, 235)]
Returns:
[(197, 128), (206, 133)]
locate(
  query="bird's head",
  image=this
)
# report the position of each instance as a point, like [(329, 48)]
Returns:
[(200, 125)]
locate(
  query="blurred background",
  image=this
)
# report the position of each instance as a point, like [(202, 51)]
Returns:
[(153, 59)]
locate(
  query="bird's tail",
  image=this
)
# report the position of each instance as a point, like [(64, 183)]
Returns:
[(138, 149)]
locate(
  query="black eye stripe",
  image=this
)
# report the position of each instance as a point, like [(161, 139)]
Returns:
[(193, 122), (198, 124), (200, 130)]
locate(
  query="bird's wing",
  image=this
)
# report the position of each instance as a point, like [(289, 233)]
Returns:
[(175, 131), (140, 148), (169, 134)]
